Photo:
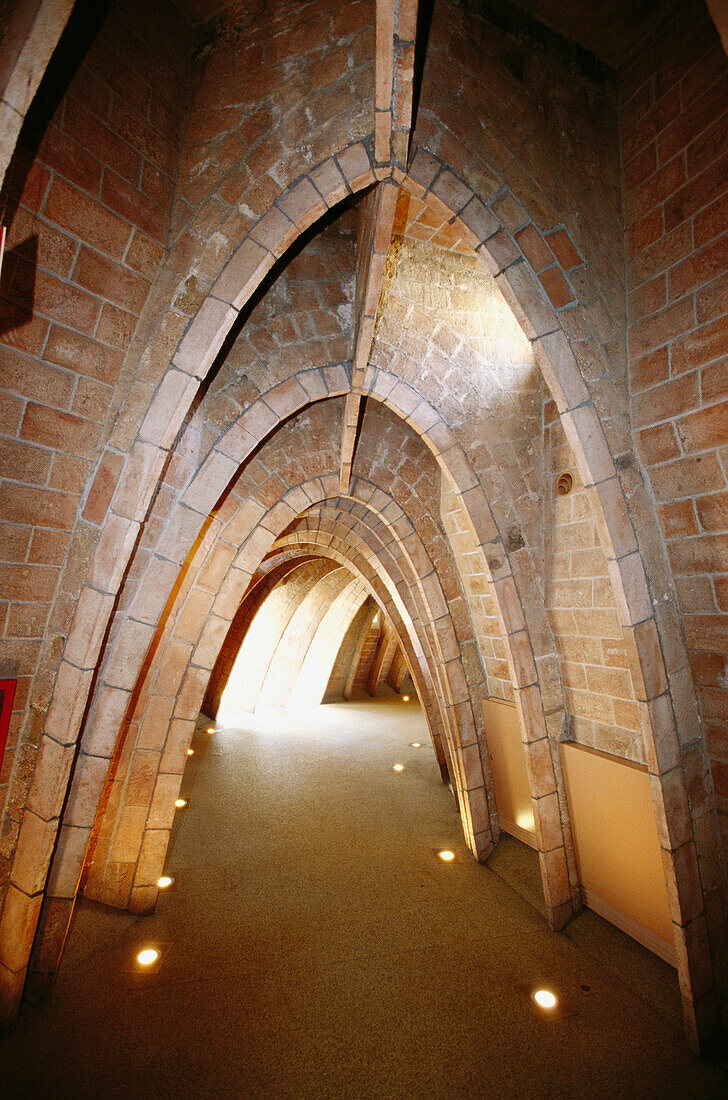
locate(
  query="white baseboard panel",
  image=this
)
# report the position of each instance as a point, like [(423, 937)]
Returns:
[(637, 931), (519, 833)]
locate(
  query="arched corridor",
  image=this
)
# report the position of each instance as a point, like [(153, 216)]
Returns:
[(345, 347), (315, 946)]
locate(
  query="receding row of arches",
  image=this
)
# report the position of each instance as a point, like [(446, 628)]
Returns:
[(307, 447)]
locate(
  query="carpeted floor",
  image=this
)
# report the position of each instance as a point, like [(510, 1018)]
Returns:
[(316, 947)]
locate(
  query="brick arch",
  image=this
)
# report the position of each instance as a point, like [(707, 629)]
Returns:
[(273, 571), (77, 823), (349, 549), (181, 728), (23, 71), (402, 556), (288, 553), (202, 493), (658, 658), (325, 644), (368, 495), (590, 446), (280, 662), (119, 492), (252, 564), (196, 350)]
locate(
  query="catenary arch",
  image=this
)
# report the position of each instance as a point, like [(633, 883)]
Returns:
[(452, 648), (211, 479), (286, 638), (669, 718), (592, 450), (385, 600), (451, 451), (273, 574), (214, 624)]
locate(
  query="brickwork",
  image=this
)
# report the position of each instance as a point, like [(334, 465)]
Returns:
[(317, 667), (117, 886), (368, 649), (595, 664), (304, 321), (345, 664), (673, 104), (541, 153), (478, 585), (238, 629), (232, 382), (89, 217)]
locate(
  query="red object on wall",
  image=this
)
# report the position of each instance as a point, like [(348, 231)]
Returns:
[(7, 694)]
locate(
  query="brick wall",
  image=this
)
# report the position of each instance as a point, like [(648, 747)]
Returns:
[(480, 594), (342, 665), (594, 663), (674, 140), (366, 657), (88, 202), (303, 321)]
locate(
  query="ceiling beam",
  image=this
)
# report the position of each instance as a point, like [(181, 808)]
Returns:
[(375, 233), (396, 32)]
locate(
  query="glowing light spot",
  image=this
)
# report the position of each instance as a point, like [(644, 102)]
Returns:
[(180, 803), (405, 698), (190, 752), (446, 855), (210, 729), (545, 999), (398, 767), (415, 745), (164, 882), (148, 956)]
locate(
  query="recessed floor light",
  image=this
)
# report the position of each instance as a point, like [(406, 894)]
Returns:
[(180, 803), (546, 1004), (190, 752), (405, 698), (544, 998), (148, 956), (398, 767), (210, 729), (164, 882), (415, 745), (446, 855)]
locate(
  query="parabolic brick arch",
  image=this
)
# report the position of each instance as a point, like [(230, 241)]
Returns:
[(304, 314)]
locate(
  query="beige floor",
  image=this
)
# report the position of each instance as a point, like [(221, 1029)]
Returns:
[(316, 947)]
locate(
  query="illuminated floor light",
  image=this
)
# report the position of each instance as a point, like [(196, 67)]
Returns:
[(398, 767), (164, 882), (148, 956), (210, 729), (544, 998), (190, 752), (405, 698), (446, 855), (180, 803), (415, 745)]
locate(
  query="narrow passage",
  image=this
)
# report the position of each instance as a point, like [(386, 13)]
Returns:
[(317, 947)]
